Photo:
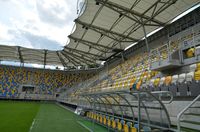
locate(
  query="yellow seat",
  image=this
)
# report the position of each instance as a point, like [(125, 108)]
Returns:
[(126, 128), (133, 129), (138, 84), (109, 122), (100, 119), (198, 66), (121, 84), (97, 118), (113, 124), (94, 116), (126, 83), (197, 75), (120, 125), (116, 84), (104, 120), (156, 82), (190, 52)]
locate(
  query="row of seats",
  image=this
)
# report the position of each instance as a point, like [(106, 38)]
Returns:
[(179, 84), (46, 82), (116, 123)]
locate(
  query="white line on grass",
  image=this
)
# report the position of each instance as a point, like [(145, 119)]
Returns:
[(32, 125), (84, 126)]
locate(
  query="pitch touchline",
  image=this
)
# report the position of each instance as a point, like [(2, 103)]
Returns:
[(32, 125)]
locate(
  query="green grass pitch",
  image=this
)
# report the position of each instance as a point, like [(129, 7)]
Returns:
[(39, 117)]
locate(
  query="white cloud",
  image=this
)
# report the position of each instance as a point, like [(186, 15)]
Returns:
[(48, 20), (4, 32)]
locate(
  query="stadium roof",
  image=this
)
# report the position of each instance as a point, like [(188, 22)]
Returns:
[(105, 28)]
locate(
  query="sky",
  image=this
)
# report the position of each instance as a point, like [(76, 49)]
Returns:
[(40, 24)]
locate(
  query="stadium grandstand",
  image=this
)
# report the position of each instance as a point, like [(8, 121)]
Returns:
[(128, 66)]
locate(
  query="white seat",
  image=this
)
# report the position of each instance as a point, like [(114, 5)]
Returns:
[(162, 80), (181, 77), (189, 76), (151, 82), (193, 67), (174, 79), (197, 50)]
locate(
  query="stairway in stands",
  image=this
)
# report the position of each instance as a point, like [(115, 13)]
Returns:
[(190, 117)]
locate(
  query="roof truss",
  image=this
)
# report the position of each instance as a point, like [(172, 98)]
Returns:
[(131, 14), (110, 34)]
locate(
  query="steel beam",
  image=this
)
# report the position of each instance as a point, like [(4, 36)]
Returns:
[(91, 44), (45, 57), (74, 62), (20, 54), (81, 54), (61, 59), (79, 57), (125, 11), (80, 51), (104, 31)]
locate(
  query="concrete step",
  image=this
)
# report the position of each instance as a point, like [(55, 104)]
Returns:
[(194, 109), (190, 124), (192, 117)]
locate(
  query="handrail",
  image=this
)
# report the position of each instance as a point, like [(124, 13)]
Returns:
[(160, 93), (183, 111)]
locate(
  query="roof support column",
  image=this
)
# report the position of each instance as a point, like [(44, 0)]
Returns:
[(145, 37), (45, 58)]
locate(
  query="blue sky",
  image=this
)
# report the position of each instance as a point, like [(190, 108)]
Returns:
[(40, 24)]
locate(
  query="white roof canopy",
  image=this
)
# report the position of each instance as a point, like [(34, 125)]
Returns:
[(105, 28)]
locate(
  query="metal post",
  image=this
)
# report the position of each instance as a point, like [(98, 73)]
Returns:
[(139, 114), (145, 36), (93, 113)]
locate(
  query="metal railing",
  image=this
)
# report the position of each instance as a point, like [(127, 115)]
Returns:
[(183, 111)]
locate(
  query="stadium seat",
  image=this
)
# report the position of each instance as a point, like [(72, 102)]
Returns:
[(114, 124), (198, 66), (104, 120), (168, 80), (138, 85), (146, 129), (190, 52), (190, 76), (133, 129), (181, 77), (108, 121), (182, 87), (101, 119), (151, 85), (174, 79), (97, 118), (126, 127), (136, 126), (162, 80), (94, 116), (193, 67), (197, 75), (120, 125), (121, 84), (156, 82)]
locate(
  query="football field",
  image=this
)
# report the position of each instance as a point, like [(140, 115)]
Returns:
[(40, 117)]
